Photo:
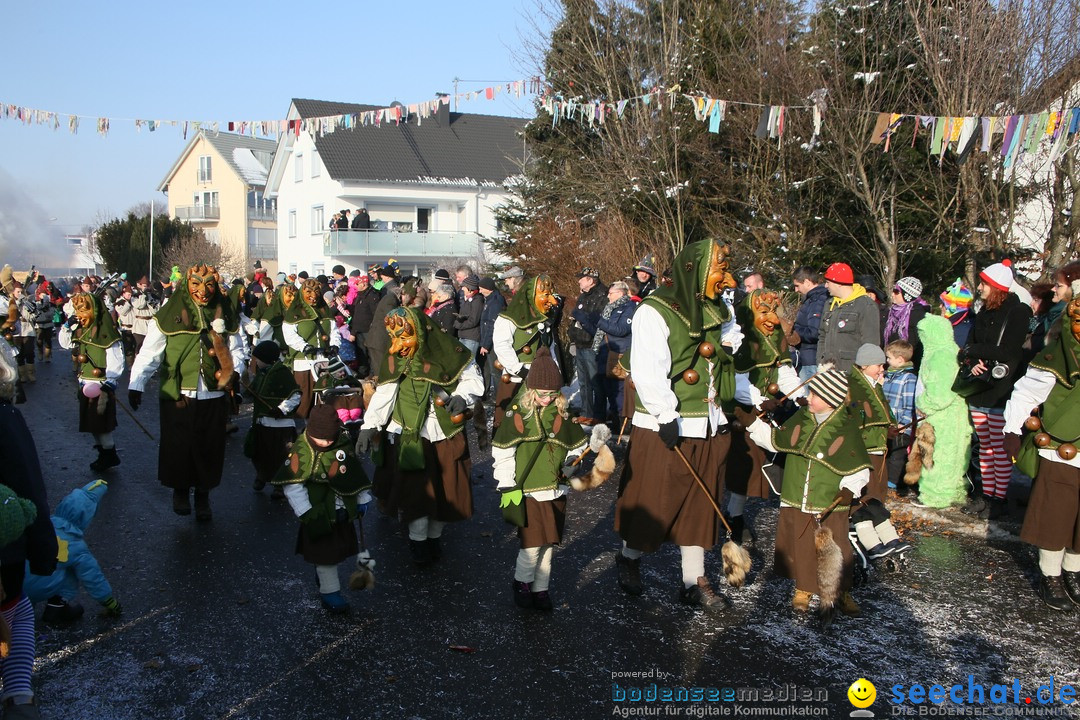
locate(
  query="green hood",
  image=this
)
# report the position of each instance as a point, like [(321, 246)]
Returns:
[(757, 350), (182, 315), (1060, 355), (102, 333), (685, 296), (522, 310), (439, 358)]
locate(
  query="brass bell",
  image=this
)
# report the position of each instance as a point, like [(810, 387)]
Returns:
[(217, 375), (98, 372), (691, 377), (706, 349), (527, 350), (498, 365), (83, 358), (1042, 439), (506, 379), (772, 388), (1033, 423), (325, 338), (211, 352), (439, 401), (1066, 451), (458, 419)]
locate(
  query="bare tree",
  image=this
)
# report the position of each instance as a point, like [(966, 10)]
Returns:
[(188, 252)]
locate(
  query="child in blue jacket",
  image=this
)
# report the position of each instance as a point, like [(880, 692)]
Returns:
[(75, 563)]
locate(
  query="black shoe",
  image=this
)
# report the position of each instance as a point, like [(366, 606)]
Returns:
[(59, 611), (434, 546), (202, 506), (278, 493), (1071, 581), (999, 508), (702, 594), (629, 574), (420, 552), (1052, 593), (107, 458), (181, 501), (523, 595), (738, 526), (541, 600), (258, 485)]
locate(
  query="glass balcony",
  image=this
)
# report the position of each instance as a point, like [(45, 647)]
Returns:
[(257, 213), (198, 212), (393, 244)]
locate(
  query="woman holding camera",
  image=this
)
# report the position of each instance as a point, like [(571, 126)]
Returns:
[(992, 359)]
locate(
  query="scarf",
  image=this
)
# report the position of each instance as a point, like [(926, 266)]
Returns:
[(609, 309), (899, 319), (435, 308)]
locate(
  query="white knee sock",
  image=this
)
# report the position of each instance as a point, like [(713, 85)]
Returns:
[(867, 536), (105, 440), (1071, 563), (886, 531), (418, 529), (328, 578), (1050, 562), (543, 568), (435, 528), (631, 553), (525, 569), (693, 564), (735, 504)]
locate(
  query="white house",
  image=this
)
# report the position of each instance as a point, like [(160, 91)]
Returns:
[(430, 187)]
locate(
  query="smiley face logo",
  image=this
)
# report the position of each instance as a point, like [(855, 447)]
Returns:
[(862, 693)]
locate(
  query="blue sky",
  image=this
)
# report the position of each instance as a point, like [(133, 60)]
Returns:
[(220, 61)]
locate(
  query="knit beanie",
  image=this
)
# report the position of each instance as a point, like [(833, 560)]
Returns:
[(840, 273), (869, 354), (909, 287), (267, 351), (472, 283), (323, 423), (487, 283), (831, 386), (998, 276), (956, 298), (647, 264), (544, 373)]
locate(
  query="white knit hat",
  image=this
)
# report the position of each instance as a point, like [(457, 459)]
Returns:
[(999, 275), (909, 287)]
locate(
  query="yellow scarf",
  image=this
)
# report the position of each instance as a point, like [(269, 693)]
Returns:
[(857, 290)]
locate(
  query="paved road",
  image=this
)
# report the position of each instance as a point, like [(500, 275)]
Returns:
[(222, 620)]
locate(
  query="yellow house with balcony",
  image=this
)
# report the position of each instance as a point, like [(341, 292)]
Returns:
[(217, 185)]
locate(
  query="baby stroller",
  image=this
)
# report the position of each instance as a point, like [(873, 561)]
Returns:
[(874, 541)]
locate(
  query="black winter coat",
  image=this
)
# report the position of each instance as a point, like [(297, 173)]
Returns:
[(363, 310), (470, 314), (494, 304), (586, 314), (377, 340), (1009, 323)]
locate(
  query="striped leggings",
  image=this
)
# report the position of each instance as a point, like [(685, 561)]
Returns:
[(15, 669), (994, 464)]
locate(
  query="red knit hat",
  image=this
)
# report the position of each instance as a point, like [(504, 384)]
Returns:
[(840, 273), (999, 275)]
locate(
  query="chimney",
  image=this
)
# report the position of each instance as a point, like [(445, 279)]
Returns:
[(442, 115)]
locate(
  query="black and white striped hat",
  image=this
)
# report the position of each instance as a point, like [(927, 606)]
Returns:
[(831, 386)]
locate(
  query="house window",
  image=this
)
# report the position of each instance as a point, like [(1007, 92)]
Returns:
[(292, 268), (318, 269), (316, 164), (205, 175), (298, 167), (292, 223), (318, 223), (208, 198)]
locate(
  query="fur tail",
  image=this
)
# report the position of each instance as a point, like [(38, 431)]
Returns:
[(224, 360), (922, 453), (830, 565), (736, 563), (600, 472)]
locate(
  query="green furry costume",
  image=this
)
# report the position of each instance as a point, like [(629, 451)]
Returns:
[(942, 484)]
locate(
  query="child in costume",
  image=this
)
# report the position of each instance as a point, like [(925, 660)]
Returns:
[(76, 565), (1052, 521), (869, 405), (528, 451), (275, 396), (327, 488), (827, 462), (425, 383), (899, 388), (761, 361)]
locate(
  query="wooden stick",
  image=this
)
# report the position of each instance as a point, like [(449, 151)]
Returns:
[(116, 399), (794, 390), (701, 484), (621, 429)]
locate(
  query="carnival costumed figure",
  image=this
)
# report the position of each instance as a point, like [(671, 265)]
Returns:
[(195, 341), (764, 365), (275, 397), (941, 451), (309, 330), (521, 331), (425, 384), (681, 362), (92, 336)]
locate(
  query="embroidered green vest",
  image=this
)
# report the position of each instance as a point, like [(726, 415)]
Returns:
[(328, 473), (181, 321), (96, 358), (870, 407), (271, 386), (693, 397), (415, 399), (543, 434), (818, 457)]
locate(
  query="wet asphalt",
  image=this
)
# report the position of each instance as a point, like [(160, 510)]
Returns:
[(222, 619)]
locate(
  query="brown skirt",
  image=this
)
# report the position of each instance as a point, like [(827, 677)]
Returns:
[(1052, 520), (878, 487), (271, 449), (330, 549), (796, 554), (660, 501), (546, 521), (441, 491), (629, 399), (90, 421), (192, 449), (745, 463), (307, 392), (504, 396)]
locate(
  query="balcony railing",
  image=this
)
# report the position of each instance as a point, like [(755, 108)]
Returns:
[(262, 251), (394, 244), (198, 212), (257, 213)]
